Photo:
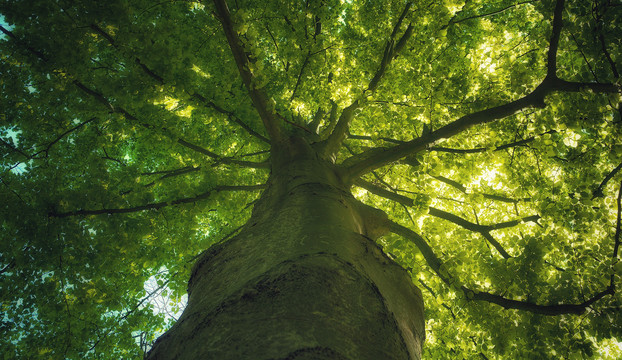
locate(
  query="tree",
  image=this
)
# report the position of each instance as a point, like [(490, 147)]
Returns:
[(308, 165)]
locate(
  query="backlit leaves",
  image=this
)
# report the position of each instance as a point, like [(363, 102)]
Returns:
[(96, 97)]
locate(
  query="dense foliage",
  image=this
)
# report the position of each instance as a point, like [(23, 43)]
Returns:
[(130, 144)]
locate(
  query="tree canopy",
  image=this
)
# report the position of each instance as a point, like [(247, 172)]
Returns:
[(136, 134)]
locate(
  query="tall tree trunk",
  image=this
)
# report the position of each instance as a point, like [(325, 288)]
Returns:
[(304, 279)]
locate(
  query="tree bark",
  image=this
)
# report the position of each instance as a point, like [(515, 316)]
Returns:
[(304, 279)]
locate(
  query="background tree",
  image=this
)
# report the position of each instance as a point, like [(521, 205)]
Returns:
[(137, 134)]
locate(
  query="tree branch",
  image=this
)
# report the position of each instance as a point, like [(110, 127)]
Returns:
[(37, 53), (314, 125), (223, 160), (377, 190), (15, 149), (437, 266), (428, 254), (13, 191), (158, 205), (598, 192), (368, 161), (360, 164), (463, 189), (481, 149), (512, 223), (332, 121), (49, 146), (555, 309), (258, 97), (331, 145), (573, 86), (165, 174), (484, 230), (456, 185), (551, 57), (391, 50), (616, 244), (231, 116), (174, 172), (490, 13), (196, 97), (612, 63), (364, 137), (99, 97), (171, 173), (299, 79), (111, 41)]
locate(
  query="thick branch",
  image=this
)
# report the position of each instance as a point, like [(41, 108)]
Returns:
[(551, 58), (368, 161), (391, 50), (165, 175), (512, 223), (175, 172), (8, 266), (377, 190), (612, 63), (437, 266), (100, 98), (314, 125), (111, 41), (332, 121), (572, 86), (259, 98), (332, 144), (360, 164), (13, 191), (452, 183), (378, 157), (158, 205), (477, 227), (616, 244), (598, 192), (555, 309), (428, 254), (457, 151)]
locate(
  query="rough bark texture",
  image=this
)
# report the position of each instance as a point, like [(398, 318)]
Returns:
[(303, 280)]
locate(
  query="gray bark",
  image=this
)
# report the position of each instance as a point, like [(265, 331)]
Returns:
[(304, 279)]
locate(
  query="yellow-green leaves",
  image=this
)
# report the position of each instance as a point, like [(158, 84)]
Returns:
[(97, 99)]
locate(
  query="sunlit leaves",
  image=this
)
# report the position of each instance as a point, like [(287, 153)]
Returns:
[(160, 72)]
